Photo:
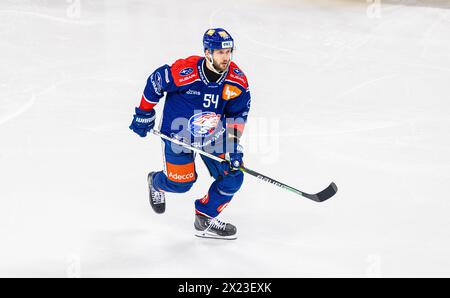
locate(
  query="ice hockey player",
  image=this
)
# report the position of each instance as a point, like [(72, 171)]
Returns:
[(207, 104)]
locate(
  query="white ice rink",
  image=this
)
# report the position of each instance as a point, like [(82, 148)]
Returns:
[(355, 92)]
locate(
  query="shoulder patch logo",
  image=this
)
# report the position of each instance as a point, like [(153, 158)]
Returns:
[(230, 92), (186, 71), (236, 75), (238, 72)]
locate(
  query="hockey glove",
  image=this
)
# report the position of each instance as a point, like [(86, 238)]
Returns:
[(235, 155), (143, 122)]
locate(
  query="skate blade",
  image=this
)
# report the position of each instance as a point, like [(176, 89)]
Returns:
[(208, 235)]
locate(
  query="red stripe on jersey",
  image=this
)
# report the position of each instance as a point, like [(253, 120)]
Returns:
[(145, 104)]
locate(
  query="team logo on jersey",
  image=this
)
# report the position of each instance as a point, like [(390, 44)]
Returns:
[(238, 72), (203, 124), (230, 92), (186, 71)]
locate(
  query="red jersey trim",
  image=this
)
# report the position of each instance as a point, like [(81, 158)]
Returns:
[(236, 75), (146, 104), (184, 71)]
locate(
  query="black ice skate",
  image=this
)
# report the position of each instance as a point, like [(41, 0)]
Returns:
[(207, 227), (157, 198)]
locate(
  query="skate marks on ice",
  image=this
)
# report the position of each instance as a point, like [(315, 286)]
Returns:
[(62, 12), (18, 13), (321, 45), (16, 113), (9, 113)]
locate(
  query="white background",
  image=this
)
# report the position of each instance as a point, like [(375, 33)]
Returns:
[(354, 92)]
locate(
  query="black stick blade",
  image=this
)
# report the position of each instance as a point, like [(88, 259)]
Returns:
[(324, 194)]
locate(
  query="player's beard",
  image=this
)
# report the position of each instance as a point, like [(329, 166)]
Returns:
[(221, 66)]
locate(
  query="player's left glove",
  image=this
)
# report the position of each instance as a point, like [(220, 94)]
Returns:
[(235, 155)]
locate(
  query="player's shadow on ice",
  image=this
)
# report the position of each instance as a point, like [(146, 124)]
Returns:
[(145, 253)]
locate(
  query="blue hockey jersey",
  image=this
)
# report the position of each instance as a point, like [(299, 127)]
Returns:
[(195, 109)]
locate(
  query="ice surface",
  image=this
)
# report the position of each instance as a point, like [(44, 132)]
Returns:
[(355, 92)]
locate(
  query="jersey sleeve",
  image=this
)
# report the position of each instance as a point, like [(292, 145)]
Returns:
[(236, 113), (158, 82)]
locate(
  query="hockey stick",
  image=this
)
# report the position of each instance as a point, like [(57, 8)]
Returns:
[(318, 197)]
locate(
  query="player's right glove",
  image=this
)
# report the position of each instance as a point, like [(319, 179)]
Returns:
[(143, 122)]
